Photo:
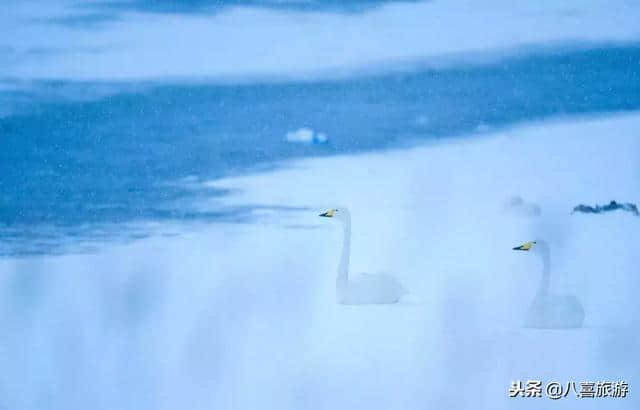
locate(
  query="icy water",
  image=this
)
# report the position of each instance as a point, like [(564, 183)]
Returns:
[(85, 161)]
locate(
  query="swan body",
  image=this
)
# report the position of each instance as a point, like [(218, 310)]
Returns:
[(363, 288), (367, 288), (555, 312), (547, 310)]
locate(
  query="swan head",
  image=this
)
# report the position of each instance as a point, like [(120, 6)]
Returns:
[(532, 246), (527, 246), (337, 213)]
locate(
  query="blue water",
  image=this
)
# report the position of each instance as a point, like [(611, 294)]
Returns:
[(81, 163)]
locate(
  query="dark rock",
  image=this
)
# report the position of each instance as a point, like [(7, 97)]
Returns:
[(611, 206)]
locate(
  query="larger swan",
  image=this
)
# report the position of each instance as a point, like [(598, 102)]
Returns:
[(361, 288), (548, 310)]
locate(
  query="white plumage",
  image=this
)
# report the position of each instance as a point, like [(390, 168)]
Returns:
[(360, 288), (548, 310)]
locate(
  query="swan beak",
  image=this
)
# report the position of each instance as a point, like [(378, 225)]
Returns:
[(328, 214), (524, 247)]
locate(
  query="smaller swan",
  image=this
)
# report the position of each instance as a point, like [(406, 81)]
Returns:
[(517, 206), (550, 311), (364, 288)]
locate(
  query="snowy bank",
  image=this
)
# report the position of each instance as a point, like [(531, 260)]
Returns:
[(244, 316)]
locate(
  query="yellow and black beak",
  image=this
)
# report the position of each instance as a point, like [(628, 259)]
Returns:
[(524, 247), (329, 213)]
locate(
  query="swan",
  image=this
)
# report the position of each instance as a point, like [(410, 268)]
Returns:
[(364, 288), (550, 311)]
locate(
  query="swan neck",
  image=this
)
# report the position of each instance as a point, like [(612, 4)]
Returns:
[(343, 267), (546, 271)]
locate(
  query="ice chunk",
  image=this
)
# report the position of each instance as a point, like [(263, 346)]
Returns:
[(306, 136)]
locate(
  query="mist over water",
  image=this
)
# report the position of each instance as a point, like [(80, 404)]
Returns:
[(163, 165)]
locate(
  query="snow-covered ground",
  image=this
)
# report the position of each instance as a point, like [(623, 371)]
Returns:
[(72, 40), (244, 315)]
